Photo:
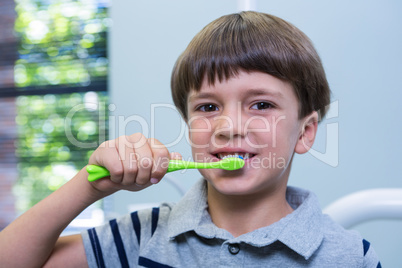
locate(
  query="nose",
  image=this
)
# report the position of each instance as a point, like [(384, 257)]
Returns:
[(230, 124)]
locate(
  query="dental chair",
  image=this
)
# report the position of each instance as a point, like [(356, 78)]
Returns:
[(365, 206)]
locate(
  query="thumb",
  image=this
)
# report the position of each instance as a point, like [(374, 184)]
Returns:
[(175, 156)]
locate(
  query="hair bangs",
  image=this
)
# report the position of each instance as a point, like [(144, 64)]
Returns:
[(251, 41), (223, 49)]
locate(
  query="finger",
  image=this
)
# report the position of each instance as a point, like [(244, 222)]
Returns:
[(123, 149), (145, 161), (106, 155), (128, 160), (161, 159)]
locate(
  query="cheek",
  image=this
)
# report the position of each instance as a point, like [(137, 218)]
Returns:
[(263, 132), (199, 132), (277, 133), (286, 136)]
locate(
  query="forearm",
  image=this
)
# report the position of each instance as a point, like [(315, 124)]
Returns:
[(30, 239)]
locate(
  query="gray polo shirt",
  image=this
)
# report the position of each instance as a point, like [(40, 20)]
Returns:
[(183, 235)]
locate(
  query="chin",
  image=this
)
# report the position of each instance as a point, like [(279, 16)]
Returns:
[(233, 182), (235, 189)]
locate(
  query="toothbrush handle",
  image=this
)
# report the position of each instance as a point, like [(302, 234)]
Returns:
[(98, 172), (180, 164)]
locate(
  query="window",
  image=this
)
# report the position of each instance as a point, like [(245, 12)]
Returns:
[(53, 93)]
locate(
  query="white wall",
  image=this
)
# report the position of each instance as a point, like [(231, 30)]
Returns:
[(360, 44)]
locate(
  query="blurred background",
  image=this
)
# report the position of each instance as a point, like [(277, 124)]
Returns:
[(74, 73)]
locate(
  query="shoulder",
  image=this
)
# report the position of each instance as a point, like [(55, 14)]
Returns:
[(145, 222), (153, 214), (338, 246), (119, 241), (347, 244)]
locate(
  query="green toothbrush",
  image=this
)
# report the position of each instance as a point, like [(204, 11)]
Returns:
[(230, 163)]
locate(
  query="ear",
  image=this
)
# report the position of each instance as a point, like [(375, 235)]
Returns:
[(307, 133)]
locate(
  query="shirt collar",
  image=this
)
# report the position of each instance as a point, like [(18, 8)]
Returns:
[(304, 232), (182, 219), (191, 214), (301, 230)]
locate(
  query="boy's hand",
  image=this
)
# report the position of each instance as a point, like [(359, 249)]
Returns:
[(134, 163)]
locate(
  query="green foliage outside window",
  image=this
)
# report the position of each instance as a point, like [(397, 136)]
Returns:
[(62, 43), (49, 149)]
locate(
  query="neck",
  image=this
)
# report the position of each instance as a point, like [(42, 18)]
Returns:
[(245, 213)]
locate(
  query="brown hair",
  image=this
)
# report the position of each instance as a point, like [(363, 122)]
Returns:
[(252, 41)]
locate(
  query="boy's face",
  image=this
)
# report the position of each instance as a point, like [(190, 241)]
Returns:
[(254, 115)]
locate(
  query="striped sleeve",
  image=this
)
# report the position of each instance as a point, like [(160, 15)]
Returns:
[(370, 258), (114, 244), (118, 242)]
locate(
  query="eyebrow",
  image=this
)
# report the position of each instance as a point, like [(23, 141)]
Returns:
[(261, 92), (201, 95), (250, 92)]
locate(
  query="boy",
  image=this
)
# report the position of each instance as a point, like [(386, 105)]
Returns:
[(248, 84)]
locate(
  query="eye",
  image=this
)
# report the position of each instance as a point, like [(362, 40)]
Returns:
[(262, 105), (207, 108)]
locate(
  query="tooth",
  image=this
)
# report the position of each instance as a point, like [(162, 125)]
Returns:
[(243, 155)]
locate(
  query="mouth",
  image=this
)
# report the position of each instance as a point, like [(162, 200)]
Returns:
[(242, 155)]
